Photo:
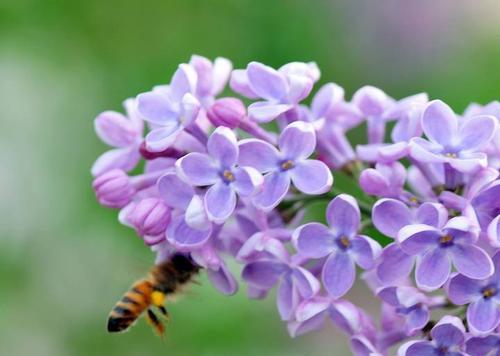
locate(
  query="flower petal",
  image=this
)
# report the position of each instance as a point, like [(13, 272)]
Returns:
[(183, 81), (324, 99), (395, 264), (370, 100), (307, 285), (463, 290), (221, 72), (240, 84), (197, 169), (196, 216), (223, 147), (263, 274), (121, 158), (223, 280), (338, 274), (263, 111), (258, 154), (115, 129), (299, 87), (432, 214), (220, 201), (439, 123), (417, 319), (174, 191), (390, 215), (447, 334), (311, 177), (297, 141), (417, 238), (267, 82), (471, 261), (314, 240), (420, 348), (476, 132), (287, 299), (364, 251), (483, 315), (433, 269), (182, 236), (156, 107), (163, 137), (274, 189), (343, 215), (247, 180)]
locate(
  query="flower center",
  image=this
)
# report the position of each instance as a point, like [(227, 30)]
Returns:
[(489, 292), (446, 240), (228, 176), (344, 242), (413, 200), (286, 165), (450, 155)]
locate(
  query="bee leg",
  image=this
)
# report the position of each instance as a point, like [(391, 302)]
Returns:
[(155, 323), (164, 313)]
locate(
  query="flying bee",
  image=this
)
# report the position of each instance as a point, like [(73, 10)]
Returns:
[(164, 280)]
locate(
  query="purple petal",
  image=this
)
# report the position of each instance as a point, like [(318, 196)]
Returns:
[(197, 169), (420, 348), (156, 108), (432, 214), (297, 141), (417, 319), (469, 162), (480, 346), (223, 280), (338, 274), (174, 191), (297, 328), (314, 240), (287, 299), (274, 189), (370, 100), (220, 201), (263, 111), (390, 215), (190, 109), (195, 215), (483, 315), (471, 261), (393, 152), (299, 87), (494, 232), (395, 264), (373, 182), (221, 72), (307, 285), (311, 307), (121, 158), (447, 334), (439, 123), (311, 177), (247, 180), (223, 147), (425, 151), (183, 81), (417, 238), (476, 132), (258, 154), (115, 129), (263, 274), (182, 236), (463, 290), (203, 68), (433, 269), (343, 215), (161, 138), (240, 84), (267, 82), (324, 99), (365, 251)]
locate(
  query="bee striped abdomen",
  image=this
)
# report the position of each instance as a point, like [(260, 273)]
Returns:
[(130, 307)]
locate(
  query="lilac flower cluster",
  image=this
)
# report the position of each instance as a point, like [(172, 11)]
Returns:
[(219, 185)]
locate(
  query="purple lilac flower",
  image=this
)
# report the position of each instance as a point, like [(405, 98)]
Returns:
[(150, 218), (281, 89), (389, 216), (483, 297), (211, 77), (450, 141), (409, 303), (190, 227), (289, 164), (113, 189), (122, 132), (170, 109), (438, 247), (494, 232), (448, 338), (295, 282), (218, 170), (386, 180), (340, 242)]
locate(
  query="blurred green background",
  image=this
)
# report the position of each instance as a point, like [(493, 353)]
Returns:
[(64, 260)]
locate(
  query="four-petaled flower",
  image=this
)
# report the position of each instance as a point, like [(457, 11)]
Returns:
[(296, 144), (218, 170), (340, 242)]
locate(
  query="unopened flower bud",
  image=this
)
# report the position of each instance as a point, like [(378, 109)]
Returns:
[(113, 189), (150, 217), (229, 112)]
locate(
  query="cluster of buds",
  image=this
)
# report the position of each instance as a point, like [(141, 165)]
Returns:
[(218, 184)]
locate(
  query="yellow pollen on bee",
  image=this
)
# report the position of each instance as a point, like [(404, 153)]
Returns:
[(228, 175), (445, 239), (490, 292), (345, 241), (287, 165), (451, 155), (157, 298)]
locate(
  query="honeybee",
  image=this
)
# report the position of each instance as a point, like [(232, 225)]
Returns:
[(164, 280)]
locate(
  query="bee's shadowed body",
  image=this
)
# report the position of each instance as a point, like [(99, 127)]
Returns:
[(164, 280)]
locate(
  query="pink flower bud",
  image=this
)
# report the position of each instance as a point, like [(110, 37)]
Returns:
[(229, 112), (150, 217), (113, 188)]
